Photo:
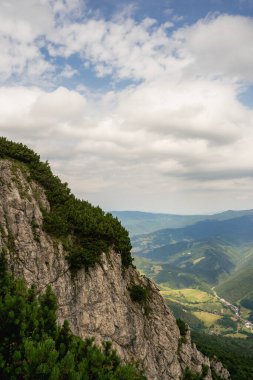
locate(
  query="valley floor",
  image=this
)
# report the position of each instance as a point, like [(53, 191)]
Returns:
[(236, 310)]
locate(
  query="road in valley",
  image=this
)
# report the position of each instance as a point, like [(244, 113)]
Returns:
[(235, 310)]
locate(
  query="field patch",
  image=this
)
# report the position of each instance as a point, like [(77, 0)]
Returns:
[(189, 296), (196, 261), (237, 336), (207, 318)]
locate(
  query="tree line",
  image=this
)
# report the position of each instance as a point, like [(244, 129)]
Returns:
[(86, 231)]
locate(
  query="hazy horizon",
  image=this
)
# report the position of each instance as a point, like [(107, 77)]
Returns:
[(170, 213)]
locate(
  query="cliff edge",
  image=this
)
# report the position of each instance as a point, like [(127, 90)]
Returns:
[(97, 302)]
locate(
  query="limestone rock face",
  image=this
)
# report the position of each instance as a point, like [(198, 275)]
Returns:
[(219, 370), (97, 303)]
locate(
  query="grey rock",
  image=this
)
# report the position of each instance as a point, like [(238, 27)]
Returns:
[(96, 303), (218, 368)]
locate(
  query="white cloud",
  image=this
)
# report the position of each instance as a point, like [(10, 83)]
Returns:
[(68, 72), (25, 20), (22, 25), (65, 10), (21, 60), (129, 49), (126, 148), (180, 126), (39, 114), (59, 106), (218, 46), (187, 109)]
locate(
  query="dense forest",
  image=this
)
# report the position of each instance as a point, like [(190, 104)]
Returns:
[(34, 347), (235, 354), (86, 231)]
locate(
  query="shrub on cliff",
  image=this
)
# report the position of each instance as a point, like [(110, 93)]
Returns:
[(138, 293), (90, 230), (182, 327), (189, 375), (33, 346)]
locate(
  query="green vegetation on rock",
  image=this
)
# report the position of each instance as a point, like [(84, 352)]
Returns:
[(34, 347), (189, 375), (138, 293), (85, 230), (182, 327)]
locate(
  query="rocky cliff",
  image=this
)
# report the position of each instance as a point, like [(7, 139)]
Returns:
[(96, 302)]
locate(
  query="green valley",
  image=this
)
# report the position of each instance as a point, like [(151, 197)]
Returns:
[(199, 264)]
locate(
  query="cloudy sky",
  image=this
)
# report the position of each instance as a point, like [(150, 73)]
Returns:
[(138, 105)]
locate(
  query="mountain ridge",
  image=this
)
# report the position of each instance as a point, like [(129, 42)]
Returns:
[(138, 222), (223, 240)]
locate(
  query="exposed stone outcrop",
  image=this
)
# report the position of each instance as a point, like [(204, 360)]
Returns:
[(218, 369), (96, 303)]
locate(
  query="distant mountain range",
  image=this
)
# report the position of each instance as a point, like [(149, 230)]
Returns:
[(137, 222), (210, 249), (198, 252)]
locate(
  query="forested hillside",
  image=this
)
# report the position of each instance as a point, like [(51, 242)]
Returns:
[(208, 251), (190, 264), (236, 354)]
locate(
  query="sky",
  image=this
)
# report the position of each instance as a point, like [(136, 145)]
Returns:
[(138, 105)]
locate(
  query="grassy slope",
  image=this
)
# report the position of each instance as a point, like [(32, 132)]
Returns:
[(238, 286), (168, 274), (201, 310)]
